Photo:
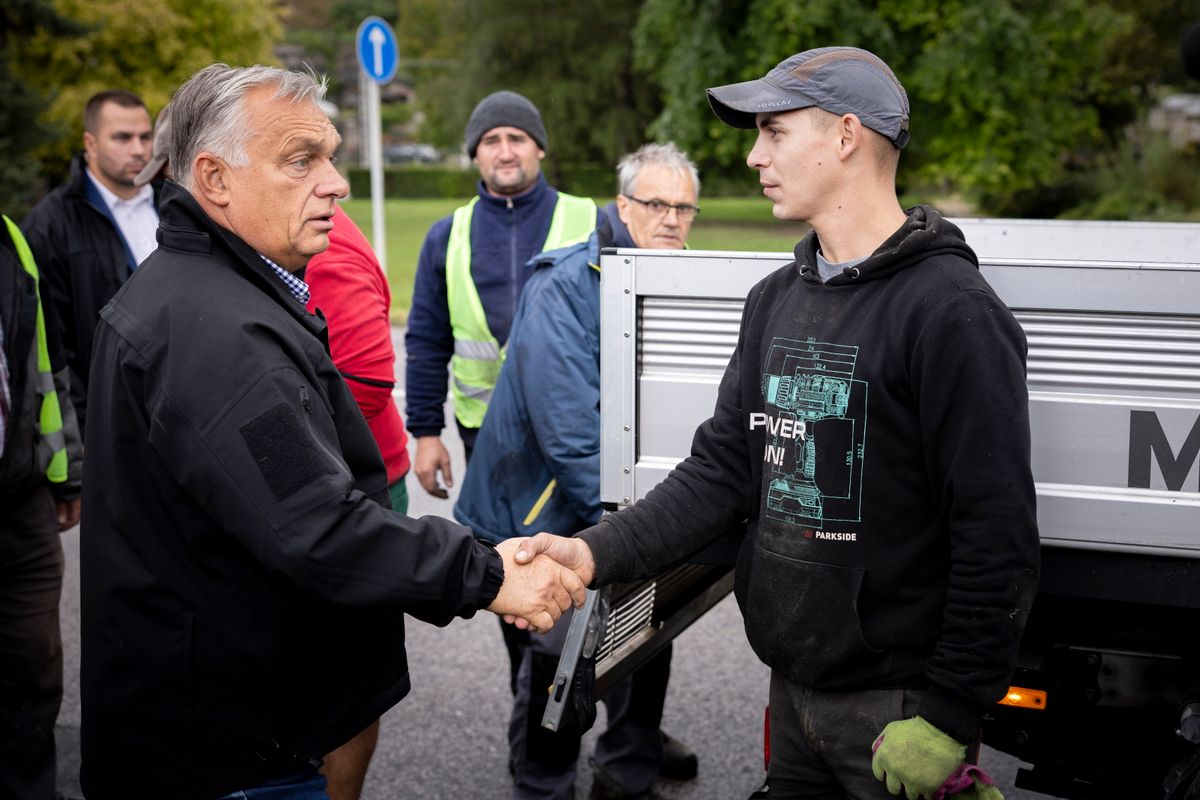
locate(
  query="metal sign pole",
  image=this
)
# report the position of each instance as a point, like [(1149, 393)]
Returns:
[(375, 156), (364, 122), (378, 57)]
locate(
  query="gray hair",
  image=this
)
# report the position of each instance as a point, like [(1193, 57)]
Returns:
[(664, 155), (207, 113)]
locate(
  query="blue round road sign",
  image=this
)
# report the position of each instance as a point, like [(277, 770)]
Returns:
[(378, 53)]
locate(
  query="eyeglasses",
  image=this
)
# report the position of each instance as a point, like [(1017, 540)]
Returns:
[(659, 208)]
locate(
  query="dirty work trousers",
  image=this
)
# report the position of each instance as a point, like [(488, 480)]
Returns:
[(821, 740)]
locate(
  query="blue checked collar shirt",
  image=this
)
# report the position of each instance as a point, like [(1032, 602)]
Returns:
[(297, 287)]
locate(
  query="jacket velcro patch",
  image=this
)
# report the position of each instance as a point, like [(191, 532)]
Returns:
[(284, 451)]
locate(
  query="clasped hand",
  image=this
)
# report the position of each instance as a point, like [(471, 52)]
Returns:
[(543, 576)]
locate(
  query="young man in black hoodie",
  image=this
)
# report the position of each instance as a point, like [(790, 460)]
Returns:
[(872, 429)]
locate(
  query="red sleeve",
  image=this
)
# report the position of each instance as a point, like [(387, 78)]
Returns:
[(350, 289)]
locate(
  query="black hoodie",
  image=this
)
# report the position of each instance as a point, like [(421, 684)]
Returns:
[(874, 432)]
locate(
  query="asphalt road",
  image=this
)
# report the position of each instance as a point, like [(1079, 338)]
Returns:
[(446, 740)]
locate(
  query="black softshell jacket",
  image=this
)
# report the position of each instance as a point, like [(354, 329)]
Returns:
[(873, 430), (83, 260), (243, 585)]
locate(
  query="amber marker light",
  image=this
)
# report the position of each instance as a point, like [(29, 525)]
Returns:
[(1021, 697)]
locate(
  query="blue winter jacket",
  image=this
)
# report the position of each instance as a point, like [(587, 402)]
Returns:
[(505, 234), (536, 464)]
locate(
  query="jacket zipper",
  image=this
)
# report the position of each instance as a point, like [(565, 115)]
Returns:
[(512, 257)]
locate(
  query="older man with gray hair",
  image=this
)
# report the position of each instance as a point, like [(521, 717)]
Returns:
[(536, 467), (243, 581)]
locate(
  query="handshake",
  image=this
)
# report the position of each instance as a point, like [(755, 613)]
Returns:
[(544, 575)]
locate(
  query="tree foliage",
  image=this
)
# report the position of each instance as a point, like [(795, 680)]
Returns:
[(21, 131), (1005, 95), (571, 59), (149, 48)]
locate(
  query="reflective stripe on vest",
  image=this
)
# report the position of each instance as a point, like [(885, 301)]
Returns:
[(478, 356), (50, 415)]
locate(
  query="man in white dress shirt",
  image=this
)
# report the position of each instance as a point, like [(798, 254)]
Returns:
[(89, 234)]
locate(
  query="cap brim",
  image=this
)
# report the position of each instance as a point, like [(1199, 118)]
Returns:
[(736, 104), (149, 171)]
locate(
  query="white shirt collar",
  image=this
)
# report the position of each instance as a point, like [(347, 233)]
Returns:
[(144, 195)]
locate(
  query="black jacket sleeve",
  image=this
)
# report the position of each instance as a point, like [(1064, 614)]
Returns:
[(969, 372), (268, 469), (709, 492)]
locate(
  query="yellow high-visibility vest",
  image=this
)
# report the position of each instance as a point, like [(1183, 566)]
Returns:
[(50, 425), (478, 356)]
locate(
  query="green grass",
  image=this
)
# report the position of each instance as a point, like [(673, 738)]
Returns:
[(725, 223)]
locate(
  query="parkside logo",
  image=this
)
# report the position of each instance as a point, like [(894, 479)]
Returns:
[(831, 536)]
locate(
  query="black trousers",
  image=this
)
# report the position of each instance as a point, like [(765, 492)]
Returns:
[(630, 748), (31, 677), (468, 440)]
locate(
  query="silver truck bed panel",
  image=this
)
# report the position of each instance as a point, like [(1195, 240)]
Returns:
[(1112, 315)]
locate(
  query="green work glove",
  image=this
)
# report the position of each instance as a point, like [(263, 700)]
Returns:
[(914, 757), (978, 790)]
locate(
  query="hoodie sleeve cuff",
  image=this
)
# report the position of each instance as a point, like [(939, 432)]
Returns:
[(956, 718), (604, 539)]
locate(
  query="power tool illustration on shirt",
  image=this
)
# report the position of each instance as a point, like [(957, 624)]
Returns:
[(815, 422)]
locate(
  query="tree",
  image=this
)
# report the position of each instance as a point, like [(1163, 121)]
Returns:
[(1001, 92), (570, 59), (149, 48), (21, 131)]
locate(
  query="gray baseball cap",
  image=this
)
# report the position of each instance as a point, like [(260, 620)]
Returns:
[(162, 137), (840, 80)]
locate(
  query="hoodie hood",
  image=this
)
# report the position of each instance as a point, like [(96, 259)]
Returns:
[(926, 233)]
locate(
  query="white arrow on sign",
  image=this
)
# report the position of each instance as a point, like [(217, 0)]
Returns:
[(377, 38)]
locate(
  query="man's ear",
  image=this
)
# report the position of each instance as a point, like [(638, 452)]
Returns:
[(850, 130), (623, 208), (210, 176), (541, 154), (89, 143)]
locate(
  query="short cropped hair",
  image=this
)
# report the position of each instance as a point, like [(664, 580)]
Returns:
[(207, 113), (664, 155), (887, 154), (91, 110)]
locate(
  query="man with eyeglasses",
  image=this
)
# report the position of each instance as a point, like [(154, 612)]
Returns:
[(536, 467)]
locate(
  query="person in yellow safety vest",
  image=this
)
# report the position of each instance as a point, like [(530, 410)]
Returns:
[(40, 469), (472, 268)]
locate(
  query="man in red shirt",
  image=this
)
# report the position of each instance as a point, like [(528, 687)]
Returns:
[(350, 289)]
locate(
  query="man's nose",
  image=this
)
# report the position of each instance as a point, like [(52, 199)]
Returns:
[(756, 158), (332, 183)]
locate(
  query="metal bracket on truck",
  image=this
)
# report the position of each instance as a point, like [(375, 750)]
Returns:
[(1111, 311)]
